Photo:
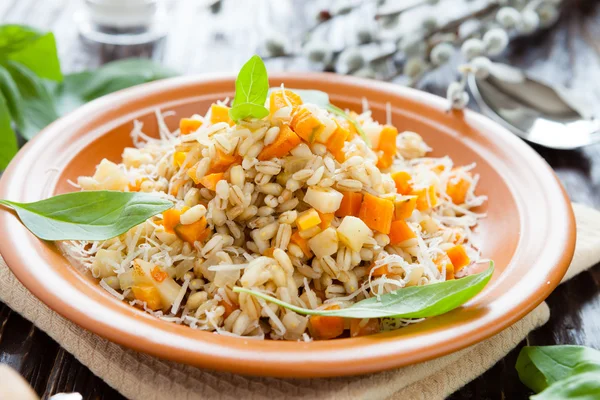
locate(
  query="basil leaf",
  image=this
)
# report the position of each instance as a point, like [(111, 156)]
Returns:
[(9, 89), (94, 215), (8, 139), (251, 89), (40, 56), (14, 37), (79, 88), (308, 96), (408, 302), (39, 109), (541, 366), (339, 112), (584, 386)]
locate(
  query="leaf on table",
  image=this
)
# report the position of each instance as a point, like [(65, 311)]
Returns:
[(93, 215), (11, 93), (582, 386), (541, 366), (39, 109), (409, 302), (8, 139)]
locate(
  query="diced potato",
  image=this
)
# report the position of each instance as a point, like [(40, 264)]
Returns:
[(226, 278), (110, 177), (308, 219), (126, 280), (133, 157), (329, 126), (168, 288), (105, 263), (325, 243), (325, 200), (353, 232)]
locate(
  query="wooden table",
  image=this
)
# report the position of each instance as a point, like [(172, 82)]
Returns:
[(204, 41)]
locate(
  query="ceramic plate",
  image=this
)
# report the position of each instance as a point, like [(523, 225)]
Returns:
[(529, 231)]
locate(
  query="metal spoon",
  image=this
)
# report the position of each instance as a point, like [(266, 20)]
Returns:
[(550, 116)]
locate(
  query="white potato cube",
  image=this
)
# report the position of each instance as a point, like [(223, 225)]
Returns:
[(325, 200), (110, 177), (353, 232), (105, 263), (325, 243)]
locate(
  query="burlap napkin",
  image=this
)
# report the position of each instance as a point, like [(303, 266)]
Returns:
[(140, 376)]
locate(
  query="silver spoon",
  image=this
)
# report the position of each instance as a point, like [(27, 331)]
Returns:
[(550, 116)]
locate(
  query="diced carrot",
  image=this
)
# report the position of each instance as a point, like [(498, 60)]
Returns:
[(384, 161), (426, 198), (326, 219), (402, 180), (400, 231), (377, 213), (210, 181), (457, 189), (158, 274), (147, 294), (219, 113), (458, 256), (179, 158), (171, 219), (305, 124), (137, 186), (229, 307), (403, 209), (308, 219), (335, 143), (387, 140), (443, 261), (286, 141), (360, 327), (324, 327), (188, 125), (283, 98), (223, 161), (349, 126), (302, 243), (380, 270), (350, 204), (191, 233), (191, 172), (269, 252)]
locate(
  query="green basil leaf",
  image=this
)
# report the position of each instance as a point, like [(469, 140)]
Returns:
[(79, 88), (8, 139), (541, 366), (317, 97), (338, 111), (14, 38), (251, 87), (410, 302), (584, 386), (40, 56), (94, 215), (246, 110), (39, 109), (9, 89)]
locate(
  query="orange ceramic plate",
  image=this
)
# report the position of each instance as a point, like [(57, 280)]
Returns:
[(529, 231)]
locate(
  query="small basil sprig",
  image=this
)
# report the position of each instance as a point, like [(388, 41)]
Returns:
[(560, 372), (408, 302), (251, 89), (94, 215)]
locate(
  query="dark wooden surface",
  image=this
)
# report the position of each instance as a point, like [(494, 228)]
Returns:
[(204, 41)]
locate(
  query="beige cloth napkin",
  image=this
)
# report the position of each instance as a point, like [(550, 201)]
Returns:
[(140, 376)]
